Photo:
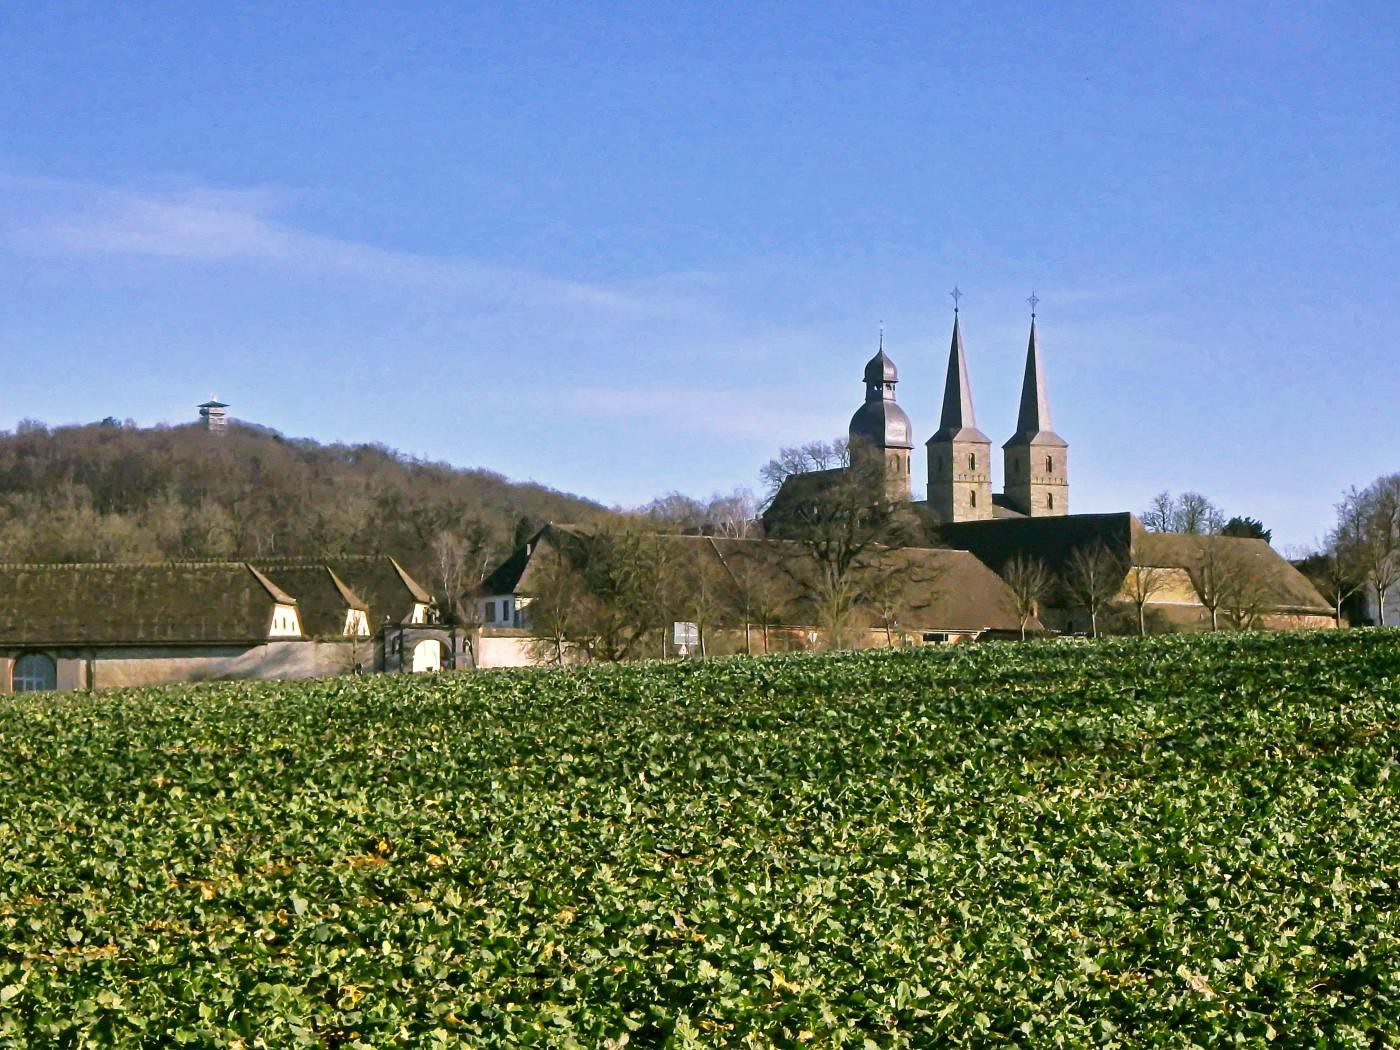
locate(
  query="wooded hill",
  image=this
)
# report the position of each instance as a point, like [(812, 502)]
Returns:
[(116, 492)]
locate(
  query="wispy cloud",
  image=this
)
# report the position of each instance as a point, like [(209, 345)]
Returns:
[(208, 226), (731, 413)]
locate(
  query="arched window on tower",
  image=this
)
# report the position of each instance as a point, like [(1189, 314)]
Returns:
[(1050, 500), (1049, 465), (972, 461), (972, 498)]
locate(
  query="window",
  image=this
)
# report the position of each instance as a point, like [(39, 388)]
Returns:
[(1050, 500), (972, 461), (1049, 465), (490, 612), (34, 673), (972, 498)]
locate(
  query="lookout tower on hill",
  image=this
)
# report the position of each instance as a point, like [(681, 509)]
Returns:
[(214, 415)]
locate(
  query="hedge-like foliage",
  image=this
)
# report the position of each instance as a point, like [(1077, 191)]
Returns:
[(1170, 842)]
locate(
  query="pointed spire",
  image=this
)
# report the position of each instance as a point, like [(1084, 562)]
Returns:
[(1033, 423), (958, 421), (1035, 402)]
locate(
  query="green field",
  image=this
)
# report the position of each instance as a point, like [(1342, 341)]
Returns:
[(1170, 842)]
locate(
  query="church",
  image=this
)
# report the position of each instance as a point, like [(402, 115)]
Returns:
[(1036, 459), (1030, 517)]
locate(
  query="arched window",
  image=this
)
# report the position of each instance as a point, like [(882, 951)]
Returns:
[(972, 498), (1050, 500), (34, 673), (972, 461), (1049, 465)]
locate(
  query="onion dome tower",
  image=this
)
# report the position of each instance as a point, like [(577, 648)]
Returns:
[(959, 455), (880, 425), (1037, 458)]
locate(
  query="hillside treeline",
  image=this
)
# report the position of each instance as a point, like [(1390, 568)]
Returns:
[(116, 492)]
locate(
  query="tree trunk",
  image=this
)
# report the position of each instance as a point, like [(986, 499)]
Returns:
[(1380, 606), (1214, 618), (1093, 624), (1023, 628), (766, 649), (1142, 621), (704, 652), (748, 640)]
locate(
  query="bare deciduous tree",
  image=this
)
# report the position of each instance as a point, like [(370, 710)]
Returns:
[(845, 527), (1029, 580), (1189, 512), (815, 455), (1375, 516), (1093, 575), (1141, 584)]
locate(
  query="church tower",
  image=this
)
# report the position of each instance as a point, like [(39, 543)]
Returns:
[(959, 455), (1037, 468), (881, 427)]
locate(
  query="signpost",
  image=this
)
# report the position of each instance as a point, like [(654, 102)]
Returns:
[(685, 636)]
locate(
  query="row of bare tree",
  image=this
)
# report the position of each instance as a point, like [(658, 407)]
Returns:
[(1361, 556)]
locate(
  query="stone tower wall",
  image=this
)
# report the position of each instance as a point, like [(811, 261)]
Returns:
[(958, 490)]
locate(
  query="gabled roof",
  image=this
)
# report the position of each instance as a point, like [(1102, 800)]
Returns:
[(277, 593), (116, 604), (214, 602), (1285, 588), (958, 421), (1054, 539), (931, 589), (327, 587), (419, 593), (1033, 424)]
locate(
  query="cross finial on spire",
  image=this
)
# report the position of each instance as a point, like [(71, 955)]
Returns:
[(882, 335), (1034, 300), (956, 294)]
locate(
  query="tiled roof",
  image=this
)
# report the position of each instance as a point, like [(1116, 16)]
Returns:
[(224, 602)]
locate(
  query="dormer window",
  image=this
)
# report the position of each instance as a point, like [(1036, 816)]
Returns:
[(285, 622)]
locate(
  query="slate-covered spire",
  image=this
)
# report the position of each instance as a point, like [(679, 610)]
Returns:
[(958, 420), (1033, 424)]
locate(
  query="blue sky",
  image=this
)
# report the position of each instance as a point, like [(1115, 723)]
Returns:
[(627, 248)]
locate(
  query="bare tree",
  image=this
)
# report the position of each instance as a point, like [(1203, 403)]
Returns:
[(803, 459), (1336, 567), (558, 609), (1189, 512), (706, 590), (846, 528), (733, 516), (1214, 576), (1142, 583), (1375, 511), (1246, 591), (1335, 575), (759, 594), (1029, 580), (1093, 576)]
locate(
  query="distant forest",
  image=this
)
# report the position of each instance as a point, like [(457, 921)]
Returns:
[(113, 491)]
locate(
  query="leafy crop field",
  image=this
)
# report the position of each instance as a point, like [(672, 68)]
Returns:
[(1170, 842)]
